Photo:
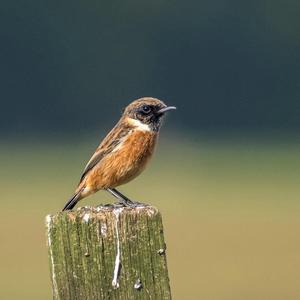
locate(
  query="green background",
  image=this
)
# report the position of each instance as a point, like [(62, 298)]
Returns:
[(227, 168)]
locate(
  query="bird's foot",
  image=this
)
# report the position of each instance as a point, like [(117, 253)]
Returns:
[(132, 204)]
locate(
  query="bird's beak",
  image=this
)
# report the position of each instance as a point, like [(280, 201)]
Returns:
[(163, 110)]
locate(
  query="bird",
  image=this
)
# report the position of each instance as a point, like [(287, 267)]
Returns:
[(124, 153)]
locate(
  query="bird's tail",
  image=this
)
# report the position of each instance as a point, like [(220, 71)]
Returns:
[(72, 202)]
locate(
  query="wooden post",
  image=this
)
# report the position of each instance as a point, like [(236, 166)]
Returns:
[(108, 252)]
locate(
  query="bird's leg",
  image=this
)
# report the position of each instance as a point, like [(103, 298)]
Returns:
[(121, 197)]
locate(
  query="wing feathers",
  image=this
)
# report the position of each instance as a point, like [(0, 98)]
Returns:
[(111, 141)]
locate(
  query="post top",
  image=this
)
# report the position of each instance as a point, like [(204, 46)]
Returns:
[(89, 212)]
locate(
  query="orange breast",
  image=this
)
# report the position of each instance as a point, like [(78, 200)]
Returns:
[(126, 162)]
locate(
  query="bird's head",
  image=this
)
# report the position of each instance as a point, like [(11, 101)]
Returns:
[(146, 111)]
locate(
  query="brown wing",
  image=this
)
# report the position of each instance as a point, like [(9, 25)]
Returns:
[(112, 140)]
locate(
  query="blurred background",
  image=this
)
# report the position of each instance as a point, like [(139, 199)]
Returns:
[(226, 172)]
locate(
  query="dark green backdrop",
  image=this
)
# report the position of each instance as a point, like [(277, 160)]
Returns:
[(70, 66)]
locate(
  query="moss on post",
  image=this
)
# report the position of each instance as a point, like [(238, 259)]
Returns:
[(108, 253)]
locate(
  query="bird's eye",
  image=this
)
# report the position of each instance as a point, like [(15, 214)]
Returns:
[(146, 109)]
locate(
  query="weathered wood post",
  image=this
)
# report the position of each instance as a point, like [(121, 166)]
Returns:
[(108, 252)]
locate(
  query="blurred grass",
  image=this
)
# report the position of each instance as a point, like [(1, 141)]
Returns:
[(230, 207)]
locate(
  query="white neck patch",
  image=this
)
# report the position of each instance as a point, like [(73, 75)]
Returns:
[(138, 125)]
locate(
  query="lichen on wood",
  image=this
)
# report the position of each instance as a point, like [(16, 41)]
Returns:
[(108, 252)]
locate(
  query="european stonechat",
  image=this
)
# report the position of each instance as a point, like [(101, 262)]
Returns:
[(124, 152)]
